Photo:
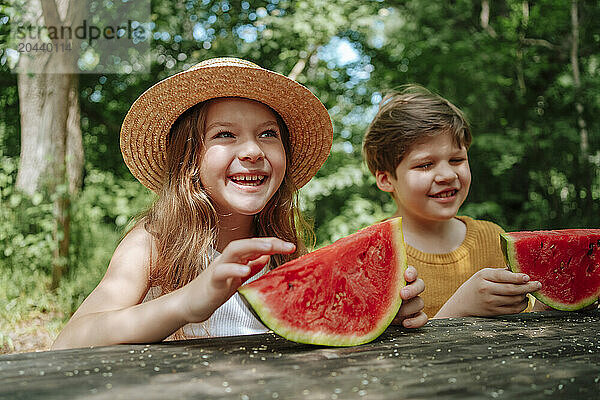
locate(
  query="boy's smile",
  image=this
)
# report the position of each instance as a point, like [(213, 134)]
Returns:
[(432, 180), (445, 194), (243, 159)]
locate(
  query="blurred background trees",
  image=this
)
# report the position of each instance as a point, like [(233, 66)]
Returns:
[(527, 74)]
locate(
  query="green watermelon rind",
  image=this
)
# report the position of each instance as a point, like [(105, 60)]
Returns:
[(510, 256), (310, 337)]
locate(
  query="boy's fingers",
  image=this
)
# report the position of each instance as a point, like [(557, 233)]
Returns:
[(515, 308), (502, 275), (412, 306), (410, 274), (244, 250), (412, 290), (416, 321), (510, 289)]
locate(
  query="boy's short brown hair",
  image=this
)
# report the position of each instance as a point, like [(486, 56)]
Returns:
[(406, 117)]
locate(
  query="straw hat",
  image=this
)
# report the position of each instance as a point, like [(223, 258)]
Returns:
[(148, 122)]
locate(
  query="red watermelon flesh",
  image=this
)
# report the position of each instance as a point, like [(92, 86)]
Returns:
[(566, 262), (343, 294)]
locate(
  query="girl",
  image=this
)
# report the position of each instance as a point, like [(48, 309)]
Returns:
[(226, 145)]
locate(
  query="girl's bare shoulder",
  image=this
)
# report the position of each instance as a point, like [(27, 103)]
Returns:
[(135, 252), (125, 282), (138, 239)]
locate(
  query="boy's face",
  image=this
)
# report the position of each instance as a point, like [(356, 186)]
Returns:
[(432, 180)]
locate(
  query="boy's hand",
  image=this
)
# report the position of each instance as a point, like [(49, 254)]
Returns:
[(240, 260), (489, 292), (411, 313)]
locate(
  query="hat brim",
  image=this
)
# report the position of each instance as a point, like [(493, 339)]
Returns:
[(147, 124)]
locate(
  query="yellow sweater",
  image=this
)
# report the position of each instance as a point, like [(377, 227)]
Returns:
[(444, 273)]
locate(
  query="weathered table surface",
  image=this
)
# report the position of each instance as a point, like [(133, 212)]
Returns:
[(539, 355)]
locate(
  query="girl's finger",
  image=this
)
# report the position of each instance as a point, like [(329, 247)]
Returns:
[(224, 271), (258, 264), (244, 250)]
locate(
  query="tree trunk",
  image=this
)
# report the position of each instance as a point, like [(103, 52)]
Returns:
[(584, 187), (484, 18), (583, 135), (51, 146)]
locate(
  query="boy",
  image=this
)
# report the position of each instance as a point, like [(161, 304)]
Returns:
[(416, 147)]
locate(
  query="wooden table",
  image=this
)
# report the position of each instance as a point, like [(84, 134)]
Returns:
[(531, 356)]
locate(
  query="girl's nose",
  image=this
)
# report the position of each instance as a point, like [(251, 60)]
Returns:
[(250, 151)]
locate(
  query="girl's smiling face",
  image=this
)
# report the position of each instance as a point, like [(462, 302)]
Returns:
[(243, 158), (432, 180)]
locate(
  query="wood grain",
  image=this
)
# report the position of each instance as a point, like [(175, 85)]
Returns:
[(532, 356)]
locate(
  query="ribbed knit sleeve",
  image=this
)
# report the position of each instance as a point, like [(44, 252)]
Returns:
[(444, 273)]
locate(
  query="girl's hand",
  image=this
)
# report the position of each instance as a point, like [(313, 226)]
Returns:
[(240, 260), (489, 292), (411, 313)]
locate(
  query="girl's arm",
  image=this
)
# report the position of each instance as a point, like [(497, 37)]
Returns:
[(112, 313)]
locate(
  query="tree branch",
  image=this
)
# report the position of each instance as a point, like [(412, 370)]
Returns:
[(525, 6), (301, 64), (539, 42), (575, 43), (484, 17)]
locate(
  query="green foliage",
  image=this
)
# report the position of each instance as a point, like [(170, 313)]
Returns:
[(100, 214), (340, 199), (514, 79), (27, 224)]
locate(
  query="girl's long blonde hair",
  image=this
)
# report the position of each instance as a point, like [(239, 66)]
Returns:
[(183, 221)]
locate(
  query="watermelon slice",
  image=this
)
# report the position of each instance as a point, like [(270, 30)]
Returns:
[(566, 262), (343, 294)]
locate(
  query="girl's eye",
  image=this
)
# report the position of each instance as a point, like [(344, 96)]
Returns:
[(269, 133), (424, 166), (224, 134), (457, 160)]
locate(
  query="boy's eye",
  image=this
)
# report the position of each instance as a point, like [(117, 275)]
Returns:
[(269, 133), (424, 166), (457, 160)]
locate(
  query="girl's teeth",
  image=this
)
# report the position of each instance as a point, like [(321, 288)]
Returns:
[(249, 180)]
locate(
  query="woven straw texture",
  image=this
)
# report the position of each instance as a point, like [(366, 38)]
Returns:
[(147, 124)]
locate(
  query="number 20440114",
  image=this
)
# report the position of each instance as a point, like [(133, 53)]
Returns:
[(44, 47)]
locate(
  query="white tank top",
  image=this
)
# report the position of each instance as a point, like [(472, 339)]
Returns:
[(231, 319)]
